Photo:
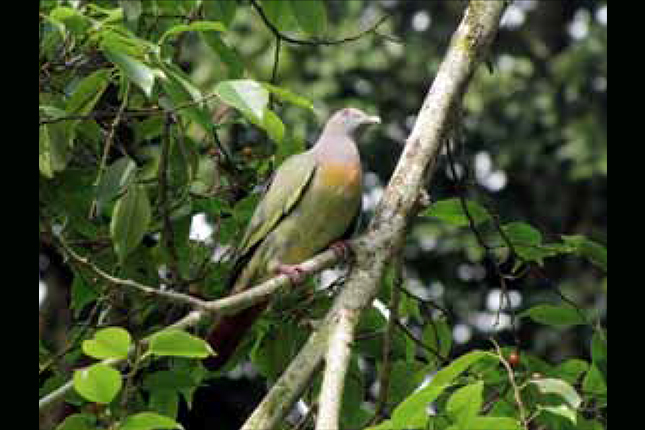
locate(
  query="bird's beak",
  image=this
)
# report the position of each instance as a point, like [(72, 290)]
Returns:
[(372, 120)]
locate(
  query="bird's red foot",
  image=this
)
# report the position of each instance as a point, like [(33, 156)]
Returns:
[(341, 249), (294, 272)]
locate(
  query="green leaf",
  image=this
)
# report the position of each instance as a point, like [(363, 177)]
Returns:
[(78, 422), (496, 423), (558, 397), (599, 351), (526, 241), (437, 334), (594, 382), (82, 293), (148, 421), (385, 425), (276, 348), (72, 18), (465, 403), (563, 410), (116, 178), (182, 93), (451, 211), (520, 233), (177, 343), (412, 411), (98, 383), (280, 14), (220, 10), (130, 220), (247, 96), (45, 161), (311, 16), (133, 69), (289, 96), (193, 26), (131, 12), (559, 316), (227, 54), (87, 93), (273, 126), (112, 342), (571, 370), (405, 377), (593, 251), (55, 144), (164, 388), (560, 388)]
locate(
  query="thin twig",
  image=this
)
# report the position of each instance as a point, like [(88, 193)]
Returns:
[(386, 364), (505, 298), (108, 145), (317, 41), (144, 289), (511, 379), (168, 236)]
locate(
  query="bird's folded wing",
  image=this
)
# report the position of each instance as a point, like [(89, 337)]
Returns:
[(287, 187)]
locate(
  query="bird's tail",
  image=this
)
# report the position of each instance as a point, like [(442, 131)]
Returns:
[(228, 332)]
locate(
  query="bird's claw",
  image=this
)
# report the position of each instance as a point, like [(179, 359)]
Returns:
[(295, 273), (341, 249)]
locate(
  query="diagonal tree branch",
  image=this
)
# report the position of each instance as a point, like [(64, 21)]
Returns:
[(337, 362), (202, 310), (386, 232)]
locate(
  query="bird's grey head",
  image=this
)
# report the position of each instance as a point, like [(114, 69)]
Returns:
[(349, 120)]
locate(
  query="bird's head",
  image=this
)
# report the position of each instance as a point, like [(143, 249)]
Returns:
[(349, 120)]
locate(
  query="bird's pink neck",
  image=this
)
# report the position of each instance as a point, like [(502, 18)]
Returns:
[(336, 147)]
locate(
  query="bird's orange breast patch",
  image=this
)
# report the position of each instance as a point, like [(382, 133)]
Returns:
[(341, 175)]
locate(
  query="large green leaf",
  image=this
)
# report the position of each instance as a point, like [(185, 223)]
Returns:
[(84, 421), (227, 54), (185, 97), (411, 413), (494, 423), (135, 70), (289, 96), (55, 143), (114, 181), (569, 402), (132, 10), (87, 93), (111, 342), (464, 404), (451, 211), (72, 18), (193, 26), (98, 383), (593, 251), (130, 219), (148, 421), (405, 377), (178, 343), (559, 316), (45, 161), (247, 96)]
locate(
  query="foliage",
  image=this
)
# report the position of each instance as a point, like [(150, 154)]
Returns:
[(152, 112)]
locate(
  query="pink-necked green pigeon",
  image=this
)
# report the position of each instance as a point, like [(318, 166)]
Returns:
[(311, 203)]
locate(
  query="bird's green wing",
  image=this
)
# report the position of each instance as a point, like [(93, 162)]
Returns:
[(287, 187)]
